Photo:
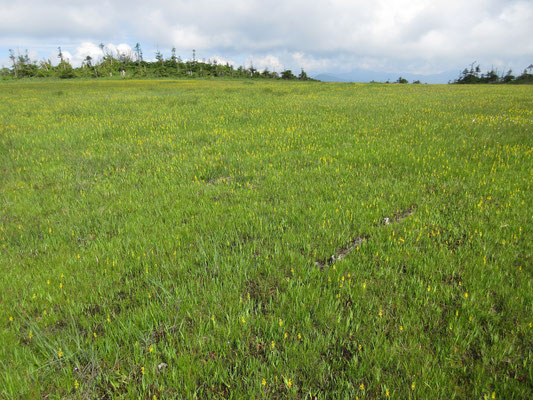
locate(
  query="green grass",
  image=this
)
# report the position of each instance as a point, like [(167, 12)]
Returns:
[(164, 239)]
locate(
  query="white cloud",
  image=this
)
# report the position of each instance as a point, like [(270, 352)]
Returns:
[(400, 35), (223, 60), (120, 50), (309, 63), (67, 55), (270, 62), (87, 49), (77, 54)]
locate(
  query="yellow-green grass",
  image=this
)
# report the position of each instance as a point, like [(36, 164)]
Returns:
[(173, 239)]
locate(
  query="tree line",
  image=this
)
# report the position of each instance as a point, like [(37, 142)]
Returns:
[(132, 64), (474, 75)]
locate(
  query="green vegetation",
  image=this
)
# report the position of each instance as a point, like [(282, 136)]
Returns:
[(474, 75), (174, 239), (134, 66)]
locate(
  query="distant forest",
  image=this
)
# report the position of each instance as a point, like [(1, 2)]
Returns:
[(133, 65), (475, 75)]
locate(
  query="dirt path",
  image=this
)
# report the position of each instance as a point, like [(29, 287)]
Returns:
[(352, 245)]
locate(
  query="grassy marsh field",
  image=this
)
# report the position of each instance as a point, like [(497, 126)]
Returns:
[(251, 239)]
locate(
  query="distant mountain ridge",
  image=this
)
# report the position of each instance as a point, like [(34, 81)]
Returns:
[(329, 78), (377, 76)]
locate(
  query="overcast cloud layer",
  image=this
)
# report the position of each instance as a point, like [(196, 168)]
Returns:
[(410, 36)]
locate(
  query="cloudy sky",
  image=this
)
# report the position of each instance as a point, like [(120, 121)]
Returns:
[(335, 36)]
